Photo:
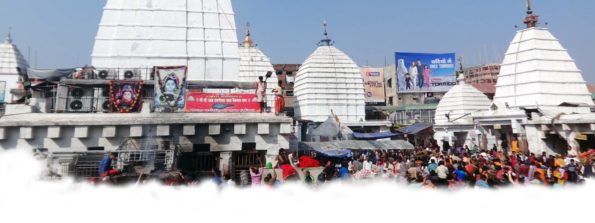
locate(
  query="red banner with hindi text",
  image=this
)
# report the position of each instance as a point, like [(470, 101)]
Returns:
[(221, 103)]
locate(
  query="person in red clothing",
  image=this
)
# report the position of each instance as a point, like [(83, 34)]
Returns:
[(105, 167), (470, 168), (279, 100), (285, 165)]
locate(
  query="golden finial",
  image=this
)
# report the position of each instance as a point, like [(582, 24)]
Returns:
[(248, 39)]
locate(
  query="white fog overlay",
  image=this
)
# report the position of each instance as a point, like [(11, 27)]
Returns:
[(25, 198)]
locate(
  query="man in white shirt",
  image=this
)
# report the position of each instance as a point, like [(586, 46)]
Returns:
[(261, 87), (442, 173)]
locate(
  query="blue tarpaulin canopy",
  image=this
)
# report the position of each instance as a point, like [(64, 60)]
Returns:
[(415, 128), (344, 148), (372, 136)]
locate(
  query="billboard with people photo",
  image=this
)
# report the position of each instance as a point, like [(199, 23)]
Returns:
[(425, 72)]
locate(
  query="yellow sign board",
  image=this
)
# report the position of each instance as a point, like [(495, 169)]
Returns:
[(580, 136)]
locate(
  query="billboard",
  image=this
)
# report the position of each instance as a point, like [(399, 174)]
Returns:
[(221, 103), (374, 85), (425, 72), (2, 91), (170, 88)]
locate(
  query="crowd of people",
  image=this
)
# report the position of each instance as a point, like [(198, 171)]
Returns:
[(420, 168), (429, 168)]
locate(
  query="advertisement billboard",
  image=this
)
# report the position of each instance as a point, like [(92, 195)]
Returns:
[(221, 103), (425, 72), (374, 85), (2, 91)]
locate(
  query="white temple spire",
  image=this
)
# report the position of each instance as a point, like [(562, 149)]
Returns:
[(9, 36), (461, 72), (329, 80), (248, 42), (537, 71), (530, 20), (326, 41)]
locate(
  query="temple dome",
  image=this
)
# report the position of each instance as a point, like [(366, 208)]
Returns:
[(10, 59), (146, 33), (459, 102), (329, 82), (538, 72), (254, 63)]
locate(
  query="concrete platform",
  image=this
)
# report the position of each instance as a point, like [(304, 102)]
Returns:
[(64, 119)]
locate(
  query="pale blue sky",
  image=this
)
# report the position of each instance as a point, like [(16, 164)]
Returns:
[(370, 31)]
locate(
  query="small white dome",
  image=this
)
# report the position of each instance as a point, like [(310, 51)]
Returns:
[(458, 104), (329, 81)]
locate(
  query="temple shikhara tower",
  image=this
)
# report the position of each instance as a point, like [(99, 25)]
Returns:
[(538, 72), (141, 34), (541, 97), (10, 59), (329, 82)]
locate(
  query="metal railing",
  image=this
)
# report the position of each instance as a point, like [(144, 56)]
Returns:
[(412, 116), (113, 74), (86, 164)]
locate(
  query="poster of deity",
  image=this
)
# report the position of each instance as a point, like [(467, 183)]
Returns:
[(170, 88), (126, 96)]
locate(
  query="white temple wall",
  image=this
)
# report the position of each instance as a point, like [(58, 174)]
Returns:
[(541, 137), (535, 140), (440, 135)]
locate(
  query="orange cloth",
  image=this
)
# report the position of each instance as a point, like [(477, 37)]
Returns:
[(515, 146), (541, 175), (279, 104)]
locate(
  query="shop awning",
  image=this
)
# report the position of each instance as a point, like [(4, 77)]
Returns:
[(373, 136), (415, 128)]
